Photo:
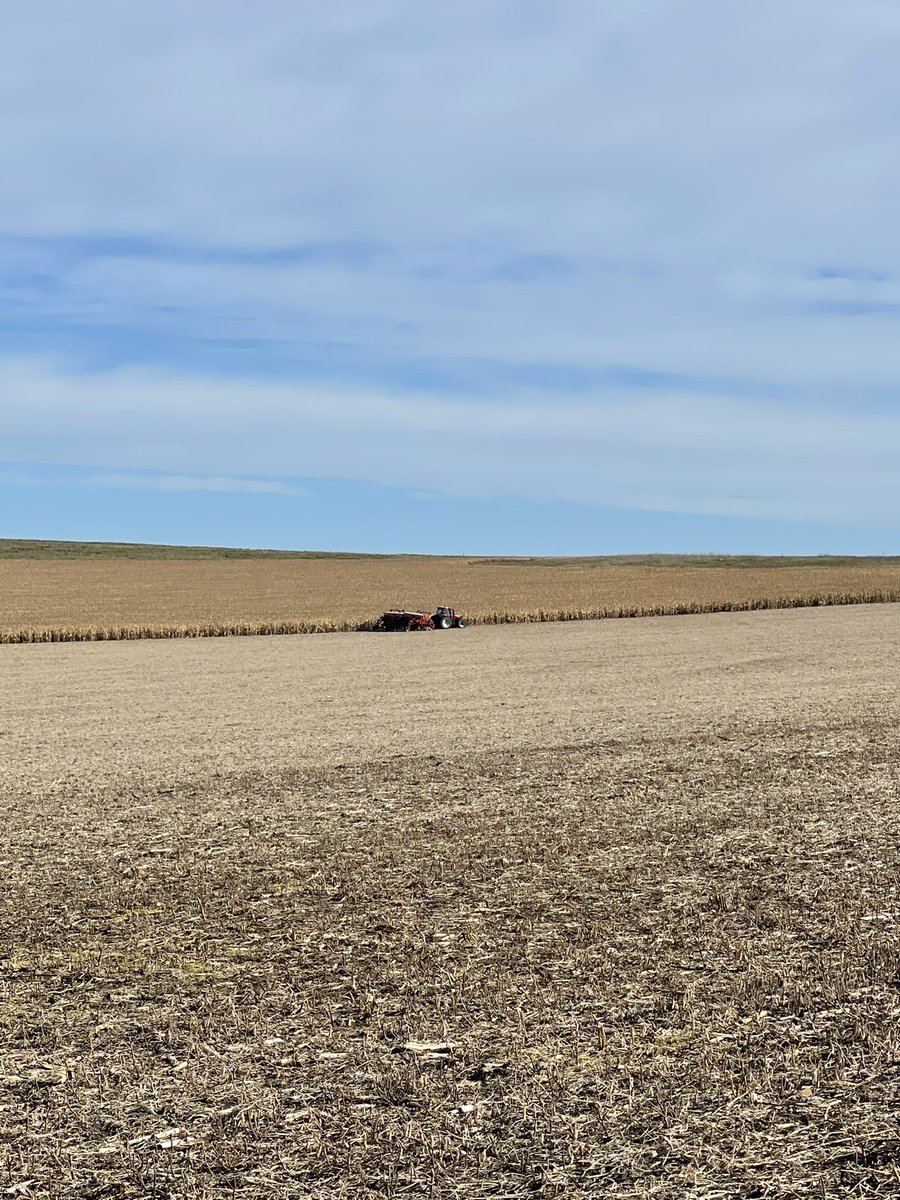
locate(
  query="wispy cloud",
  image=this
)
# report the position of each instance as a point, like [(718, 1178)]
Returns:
[(139, 482), (316, 245), (689, 453), (193, 483)]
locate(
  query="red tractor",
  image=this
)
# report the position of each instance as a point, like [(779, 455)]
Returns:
[(448, 618), (396, 620)]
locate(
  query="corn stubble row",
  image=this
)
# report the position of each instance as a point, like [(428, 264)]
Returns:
[(211, 629)]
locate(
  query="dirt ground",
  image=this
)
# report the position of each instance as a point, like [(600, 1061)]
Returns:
[(103, 711), (600, 909)]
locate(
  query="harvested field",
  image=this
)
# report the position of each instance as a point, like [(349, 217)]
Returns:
[(567, 911), (110, 598)]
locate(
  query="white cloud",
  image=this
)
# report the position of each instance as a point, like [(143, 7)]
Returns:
[(681, 453), (760, 327), (655, 126), (192, 483), (717, 182), (152, 483)]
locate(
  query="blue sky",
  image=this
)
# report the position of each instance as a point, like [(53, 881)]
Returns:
[(506, 276)]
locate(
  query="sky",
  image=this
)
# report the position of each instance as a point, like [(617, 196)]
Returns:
[(495, 277)]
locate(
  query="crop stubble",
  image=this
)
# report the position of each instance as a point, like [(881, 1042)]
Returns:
[(636, 938), (122, 598)]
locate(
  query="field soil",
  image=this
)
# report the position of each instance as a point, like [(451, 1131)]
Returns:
[(107, 593), (580, 910)]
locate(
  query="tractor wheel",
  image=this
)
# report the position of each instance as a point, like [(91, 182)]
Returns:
[(461, 623), (443, 623)]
